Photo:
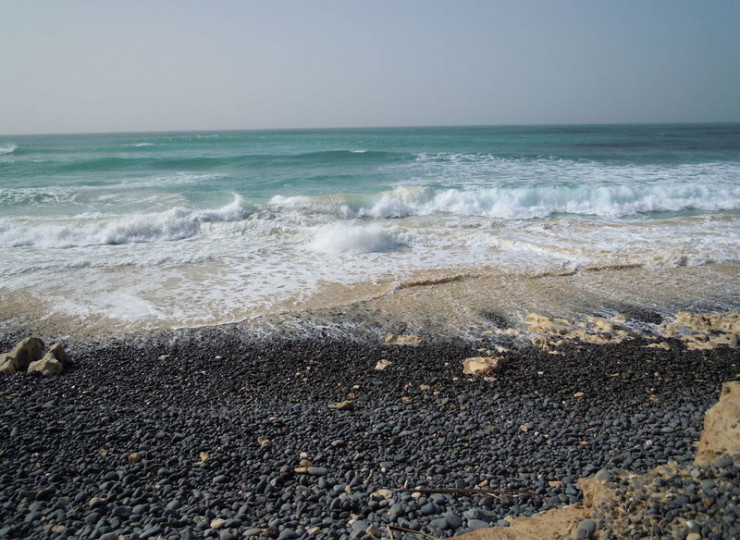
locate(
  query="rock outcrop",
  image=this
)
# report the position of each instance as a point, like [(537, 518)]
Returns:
[(27, 351), (721, 433), (28, 356)]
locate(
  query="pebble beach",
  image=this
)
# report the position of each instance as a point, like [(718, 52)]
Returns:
[(211, 433)]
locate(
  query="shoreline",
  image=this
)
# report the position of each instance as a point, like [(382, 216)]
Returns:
[(447, 303)]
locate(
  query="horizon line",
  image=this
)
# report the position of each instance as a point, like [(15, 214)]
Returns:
[(339, 128)]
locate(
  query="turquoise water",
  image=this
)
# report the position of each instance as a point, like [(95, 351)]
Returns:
[(262, 216)]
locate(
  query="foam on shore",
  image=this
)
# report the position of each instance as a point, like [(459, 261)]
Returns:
[(464, 303)]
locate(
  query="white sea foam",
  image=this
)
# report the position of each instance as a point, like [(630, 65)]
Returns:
[(90, 229), (7, 149), (344, 237), (525, 202)]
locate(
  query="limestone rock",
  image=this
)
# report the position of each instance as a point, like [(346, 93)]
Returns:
[(553, 524), (7, 364), (482, 365), (48, 365), (393, 339), (342, 406), (58, 352), (26, 351), (721, 434), (382, 364)]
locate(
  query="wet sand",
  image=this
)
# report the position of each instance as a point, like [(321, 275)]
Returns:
[(459, 303)]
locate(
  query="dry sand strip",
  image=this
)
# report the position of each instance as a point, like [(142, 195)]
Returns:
[(209, 433)]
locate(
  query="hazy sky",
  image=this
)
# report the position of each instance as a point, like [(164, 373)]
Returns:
[(82, 66)]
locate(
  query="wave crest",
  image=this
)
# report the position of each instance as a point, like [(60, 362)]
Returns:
[(93, 229), (7, 149), (526, 202)]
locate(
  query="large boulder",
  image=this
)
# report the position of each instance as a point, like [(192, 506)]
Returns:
[(27, 351), (54, 362), (58, 352), (48, 365)]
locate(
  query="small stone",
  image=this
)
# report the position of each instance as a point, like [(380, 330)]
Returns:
[(440, 524), (264, 442), (693, 536), (45, 494), (217, 523), (317, 471), (482, 365), (383, 364), (722, 462), (373, 531), (96, 502), (342, 406), (586, 529), (578, 394)]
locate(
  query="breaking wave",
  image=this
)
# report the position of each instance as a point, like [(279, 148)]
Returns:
[(93, 229), (342, 237), (7, 149), (523, 202)]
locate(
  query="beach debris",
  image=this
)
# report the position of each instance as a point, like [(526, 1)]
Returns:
[(342, 406), (383, 364), (394, 339), (482, 365)]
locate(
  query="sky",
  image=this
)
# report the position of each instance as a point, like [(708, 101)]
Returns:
[(154, 65)]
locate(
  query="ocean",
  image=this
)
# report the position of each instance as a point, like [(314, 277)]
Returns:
[(178, 229)]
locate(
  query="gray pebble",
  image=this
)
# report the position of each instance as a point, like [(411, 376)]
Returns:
[(586, 529)]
